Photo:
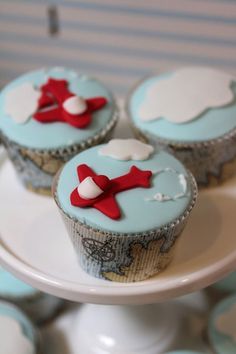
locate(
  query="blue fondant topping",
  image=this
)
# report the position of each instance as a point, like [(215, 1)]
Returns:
[(138, 214), (34, 134), (211, 124), (221, 342), (227, 284), (13, 287)]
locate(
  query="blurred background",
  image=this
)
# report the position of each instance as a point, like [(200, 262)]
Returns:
[(119, 41)]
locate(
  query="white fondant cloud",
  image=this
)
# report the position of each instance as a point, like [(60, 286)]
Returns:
[(126, 149), (186, 94), (21, 102), (226, 323), (160, 197), (12, 338)]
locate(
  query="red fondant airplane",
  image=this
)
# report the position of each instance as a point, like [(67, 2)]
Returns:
[(50, 106), (106, 202)]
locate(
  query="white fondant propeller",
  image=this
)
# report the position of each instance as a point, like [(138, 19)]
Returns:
[(92, 187), (75, 105), (88, 189)]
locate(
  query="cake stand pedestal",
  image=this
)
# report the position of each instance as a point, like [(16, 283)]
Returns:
[(35, 247)]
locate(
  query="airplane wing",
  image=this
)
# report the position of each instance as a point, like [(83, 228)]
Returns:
[(85, 171), (108, 206), (76, 200)]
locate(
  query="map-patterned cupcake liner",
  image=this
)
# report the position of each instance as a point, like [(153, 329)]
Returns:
[(211, 162), (125, 257), (36, 167)]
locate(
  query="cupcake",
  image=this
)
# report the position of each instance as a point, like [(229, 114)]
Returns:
[(226, 285), (2, 154), (184, 352), (49, 115), (125, 205), (40, 307), (17, 333), (191, 113), (222, 326)]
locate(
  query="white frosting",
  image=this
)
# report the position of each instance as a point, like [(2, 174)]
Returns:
[(160, 197), (126, 149), (12, 339), (88, 189), (186, 94), (21, 102), (226, 323), (75, 105)]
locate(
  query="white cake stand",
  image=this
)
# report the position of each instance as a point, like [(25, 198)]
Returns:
[(35, 247)]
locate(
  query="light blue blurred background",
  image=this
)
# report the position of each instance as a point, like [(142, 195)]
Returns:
[(120, 41)]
